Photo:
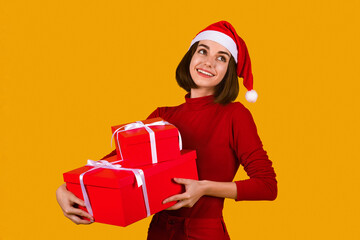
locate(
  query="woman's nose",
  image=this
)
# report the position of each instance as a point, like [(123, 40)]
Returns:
[(209, 62)]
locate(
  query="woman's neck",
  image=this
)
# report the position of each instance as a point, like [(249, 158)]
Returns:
[(200, 92)]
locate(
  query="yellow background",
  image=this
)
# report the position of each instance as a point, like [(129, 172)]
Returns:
[(71, 69)]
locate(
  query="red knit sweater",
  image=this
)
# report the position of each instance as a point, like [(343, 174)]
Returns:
[(224, 136)]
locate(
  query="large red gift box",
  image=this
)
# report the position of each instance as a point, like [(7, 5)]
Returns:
[(134, 147), (115, 196)]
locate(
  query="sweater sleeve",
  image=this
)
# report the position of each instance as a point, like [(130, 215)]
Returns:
[(262, 184), (155, 113), (113, 153)]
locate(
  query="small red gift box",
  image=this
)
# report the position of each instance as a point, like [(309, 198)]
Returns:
[(115, 197), (146, 142)]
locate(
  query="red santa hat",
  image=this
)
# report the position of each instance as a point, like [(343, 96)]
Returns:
[(224, 33)]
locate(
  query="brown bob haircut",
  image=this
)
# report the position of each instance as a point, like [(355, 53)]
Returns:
[(225, 92)]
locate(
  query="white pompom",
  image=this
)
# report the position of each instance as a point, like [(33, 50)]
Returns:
[(251, 96)]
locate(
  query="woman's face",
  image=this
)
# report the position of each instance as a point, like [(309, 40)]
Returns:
[(209, 64)]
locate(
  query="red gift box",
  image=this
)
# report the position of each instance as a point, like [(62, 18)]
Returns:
[(115, 196), (135, 148)]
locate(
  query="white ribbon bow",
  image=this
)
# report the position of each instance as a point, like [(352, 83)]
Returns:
[(139, 175), (139, 124)]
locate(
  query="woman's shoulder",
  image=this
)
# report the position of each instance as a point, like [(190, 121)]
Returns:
[(161, 111), (237, 108), (237, 112)]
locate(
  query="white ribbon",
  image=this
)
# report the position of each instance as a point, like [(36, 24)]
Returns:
[(139, 124), (139, 175)]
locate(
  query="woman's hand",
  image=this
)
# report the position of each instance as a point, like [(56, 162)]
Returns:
[(194, 190), (67, 201)]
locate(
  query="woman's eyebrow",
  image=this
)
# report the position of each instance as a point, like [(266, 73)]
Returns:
[(207, 47), (203, 45), (224, 53)]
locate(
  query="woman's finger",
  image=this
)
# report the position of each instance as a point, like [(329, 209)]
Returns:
[(77, 212), (77, 219), (177, 197), (176, 206), (77, 200), (82, 213), (182, 180)]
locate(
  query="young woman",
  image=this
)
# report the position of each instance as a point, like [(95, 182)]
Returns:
[(223, 134)]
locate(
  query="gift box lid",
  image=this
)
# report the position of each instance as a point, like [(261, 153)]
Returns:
[(139, 135), (118, 178)]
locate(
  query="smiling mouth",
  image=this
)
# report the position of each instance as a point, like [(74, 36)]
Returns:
[(204, 72)]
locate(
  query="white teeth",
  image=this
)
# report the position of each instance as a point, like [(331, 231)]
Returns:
[(206, 73)]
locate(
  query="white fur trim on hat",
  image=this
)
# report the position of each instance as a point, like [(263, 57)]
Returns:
[(251, 96), (220, 38)]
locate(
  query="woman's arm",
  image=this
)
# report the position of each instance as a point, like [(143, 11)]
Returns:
[(195, 189), (261, 185), (68, 201)]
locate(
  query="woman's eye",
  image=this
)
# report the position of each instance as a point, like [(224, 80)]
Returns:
[(202, 51), (221, 58)]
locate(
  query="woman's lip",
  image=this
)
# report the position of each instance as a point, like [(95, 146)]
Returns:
[(204, 71)]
